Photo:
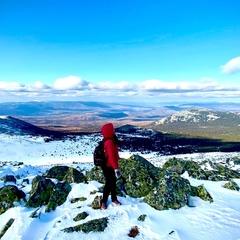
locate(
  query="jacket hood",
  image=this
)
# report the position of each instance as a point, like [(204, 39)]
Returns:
[(108, 130)]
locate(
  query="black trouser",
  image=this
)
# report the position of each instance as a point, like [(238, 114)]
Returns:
[(110, 184)]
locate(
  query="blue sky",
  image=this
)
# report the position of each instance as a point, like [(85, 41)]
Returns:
[(135, 50)]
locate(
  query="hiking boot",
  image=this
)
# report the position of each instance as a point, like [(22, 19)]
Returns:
[(103, 206), (116, 202)]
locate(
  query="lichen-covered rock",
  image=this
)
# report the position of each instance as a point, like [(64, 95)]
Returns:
[(81, 199), (194, 170), (201, 191), (142, 217), (231, 185), (96, 204), (58, 196), (6, 227), (180, 166), (216, 177), (65, 173), (74, 176), (172, 191), (80, 216), (97, 225), (41, 192), (229, 173), (8, 195), (95, 174), (174, 165), (139, 176)]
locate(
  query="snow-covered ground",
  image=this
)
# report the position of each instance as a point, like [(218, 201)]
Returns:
[(219, 220)]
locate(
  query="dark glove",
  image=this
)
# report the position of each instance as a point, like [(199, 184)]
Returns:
[(117, 173)]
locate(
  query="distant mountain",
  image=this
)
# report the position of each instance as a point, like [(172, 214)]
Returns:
[(202, 122), (14, 126)]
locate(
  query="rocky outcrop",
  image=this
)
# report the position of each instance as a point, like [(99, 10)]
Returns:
[(195, 170)]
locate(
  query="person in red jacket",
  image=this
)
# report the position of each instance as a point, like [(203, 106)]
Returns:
[(111, 170)]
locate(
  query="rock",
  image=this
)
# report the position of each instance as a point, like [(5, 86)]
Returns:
[(80, 216), (227, 172), (65, 173), (96, 204), (6, 227), (172, 191), (174, 165), (139, 176), (8, 195), (180, 166), (134, 231), (95, 174), (9, 178), (58, 196), (231, 185), (142, 217), (74, 176), (200, 191), (41, 192), (97, 225)]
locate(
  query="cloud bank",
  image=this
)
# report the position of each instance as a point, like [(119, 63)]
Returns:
[(73, 87)]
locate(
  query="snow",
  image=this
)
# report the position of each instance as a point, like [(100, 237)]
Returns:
[(219, 220)]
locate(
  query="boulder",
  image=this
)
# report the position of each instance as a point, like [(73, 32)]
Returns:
[(172, 191), (9, 178), (95, 174), (58, 196), (139, 176), (8, 195), (41, 192), (231, 185), (65, 173), (201, 191)]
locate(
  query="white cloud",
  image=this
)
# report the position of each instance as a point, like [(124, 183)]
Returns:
[(73, 87), (232, 66), (11, 86), (70, 83)]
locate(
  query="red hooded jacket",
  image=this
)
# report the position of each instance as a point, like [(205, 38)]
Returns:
[(111, 148)]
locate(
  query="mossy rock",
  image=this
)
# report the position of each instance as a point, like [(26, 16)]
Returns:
[(231, 185), (172, 191), (58, 196), (229, 173), (8, 195), (6, 227), (65, 173), (180, 166), (81, 216), (95, 174), (142, 217), (201, 191), (139, 176), (41, 192), (174, 165), (81, 199), (97, 225), (96, 204)]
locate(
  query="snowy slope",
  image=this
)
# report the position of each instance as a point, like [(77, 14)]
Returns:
[(219, 220)]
